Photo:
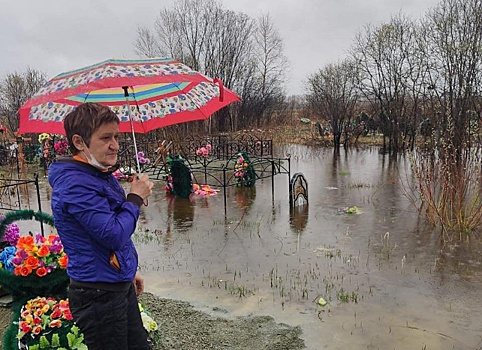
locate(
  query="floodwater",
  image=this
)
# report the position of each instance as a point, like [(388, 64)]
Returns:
[(387, 280)]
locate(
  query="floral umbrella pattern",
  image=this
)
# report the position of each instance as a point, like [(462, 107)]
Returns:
[(161, 92)]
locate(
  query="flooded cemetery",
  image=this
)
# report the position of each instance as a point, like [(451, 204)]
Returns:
[(302, 198), (357, 267)]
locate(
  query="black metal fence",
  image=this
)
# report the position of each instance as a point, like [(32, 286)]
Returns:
[(224, 146), (18, 194)]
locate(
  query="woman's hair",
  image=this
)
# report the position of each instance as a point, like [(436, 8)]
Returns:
[(85, 120)]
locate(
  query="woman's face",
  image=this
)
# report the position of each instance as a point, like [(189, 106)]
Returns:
[(104, 145)]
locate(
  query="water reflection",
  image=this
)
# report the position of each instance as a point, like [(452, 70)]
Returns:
[(180, 213), (298, 218), (245, 197), (387, 256)]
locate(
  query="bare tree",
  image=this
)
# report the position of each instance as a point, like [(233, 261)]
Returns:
[(454, 60), (15, 90), (146, 43), (386, 73), (271, 66), (333, 93), (448, 173), (245, 54), (183, 30)]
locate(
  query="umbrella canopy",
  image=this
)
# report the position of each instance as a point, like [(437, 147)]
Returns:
[(145, 94)]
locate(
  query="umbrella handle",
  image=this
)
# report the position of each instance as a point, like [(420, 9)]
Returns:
[(144, 201)]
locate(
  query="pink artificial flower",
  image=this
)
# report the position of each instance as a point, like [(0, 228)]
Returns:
[(208, 147)]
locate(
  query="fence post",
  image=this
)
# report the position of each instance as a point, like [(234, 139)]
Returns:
[(39, 202), (224, 190)]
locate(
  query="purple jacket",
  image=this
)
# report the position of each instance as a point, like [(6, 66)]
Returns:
[(94, 219)]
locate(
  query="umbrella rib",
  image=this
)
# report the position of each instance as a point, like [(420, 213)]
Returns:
[(137, 105), (86, 96)]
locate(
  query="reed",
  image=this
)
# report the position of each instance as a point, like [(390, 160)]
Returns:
[(448, 188)]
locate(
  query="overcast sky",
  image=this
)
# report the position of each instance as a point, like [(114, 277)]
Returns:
[(59, 35)]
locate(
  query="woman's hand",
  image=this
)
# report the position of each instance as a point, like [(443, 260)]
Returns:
[(141, 186), (138, 283)]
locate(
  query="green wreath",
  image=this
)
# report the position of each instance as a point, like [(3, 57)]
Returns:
[(179, 179), (247, 176), (24, 288)]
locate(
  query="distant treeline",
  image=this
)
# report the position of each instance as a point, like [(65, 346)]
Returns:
[(401, 79)]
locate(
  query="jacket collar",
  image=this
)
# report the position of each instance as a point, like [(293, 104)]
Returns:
[(87, 166)]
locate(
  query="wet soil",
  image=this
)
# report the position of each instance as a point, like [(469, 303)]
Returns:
[(183, 327)]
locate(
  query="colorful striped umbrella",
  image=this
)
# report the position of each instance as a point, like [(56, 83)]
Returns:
[(145, 94)]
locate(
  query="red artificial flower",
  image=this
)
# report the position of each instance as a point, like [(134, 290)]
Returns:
[(26, 314), (55, 323), (63, 261), (43, 251), (41, 271), (68, 316), (25, 271), (32, 262), (56, 313), (37, 330), (25, 327), (27, 243)]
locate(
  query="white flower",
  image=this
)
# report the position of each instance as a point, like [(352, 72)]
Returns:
[(149, 324)]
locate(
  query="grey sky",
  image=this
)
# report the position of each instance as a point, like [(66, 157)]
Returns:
[(59, 35)]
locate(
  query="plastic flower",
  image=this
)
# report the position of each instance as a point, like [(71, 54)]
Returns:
[(37, 330), (26, 243), (149, 324), (43, 251), (38, 255), (24, 270), (57, 313), (41, 271), (32, 262), (41, 316), (142, 159), (56, 246), (203, 151), (6, 257), (64, 261), (12, 234), (25, 327), (119, 175), (43, 137), (61, 147), (55, 323)]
